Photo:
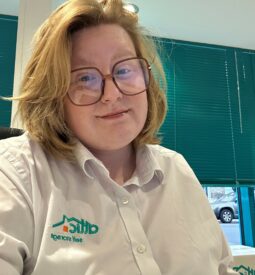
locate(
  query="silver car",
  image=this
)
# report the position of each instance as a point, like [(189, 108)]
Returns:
[(226, 208)]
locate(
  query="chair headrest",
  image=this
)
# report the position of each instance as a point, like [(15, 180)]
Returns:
[(10, 132)]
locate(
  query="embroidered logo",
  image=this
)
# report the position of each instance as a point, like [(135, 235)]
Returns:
[(72, 226), (244, 270)]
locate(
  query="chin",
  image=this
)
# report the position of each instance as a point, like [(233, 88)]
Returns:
[(113, 146)]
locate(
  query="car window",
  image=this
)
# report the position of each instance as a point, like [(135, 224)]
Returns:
[(227, 198)]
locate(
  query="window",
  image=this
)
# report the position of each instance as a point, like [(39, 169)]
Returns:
[(224, 203), (8, 32), (211, 118)]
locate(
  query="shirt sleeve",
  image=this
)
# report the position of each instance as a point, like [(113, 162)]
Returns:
[(226, 260), (16, 222)]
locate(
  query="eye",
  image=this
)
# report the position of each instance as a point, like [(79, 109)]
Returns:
[(87, 77), (122, 71)]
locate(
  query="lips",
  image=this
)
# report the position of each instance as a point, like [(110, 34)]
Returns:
[(114, 114)]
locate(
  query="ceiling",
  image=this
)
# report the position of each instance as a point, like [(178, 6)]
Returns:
[(228, 22)]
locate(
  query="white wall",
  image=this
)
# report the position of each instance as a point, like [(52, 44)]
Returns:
[(228, 22), (9, 7)]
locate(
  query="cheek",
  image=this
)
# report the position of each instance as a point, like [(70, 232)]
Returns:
[(68, 113), (143, 107), (73, 116)]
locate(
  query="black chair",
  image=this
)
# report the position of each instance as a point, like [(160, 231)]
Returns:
[(10, 132)]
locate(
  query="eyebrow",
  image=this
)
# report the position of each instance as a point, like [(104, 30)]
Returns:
[(83, 62), (123, 55)]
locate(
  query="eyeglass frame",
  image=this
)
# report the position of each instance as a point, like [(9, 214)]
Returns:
[(110, 76)]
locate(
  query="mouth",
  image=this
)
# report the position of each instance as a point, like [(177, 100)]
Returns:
[(114, 114)]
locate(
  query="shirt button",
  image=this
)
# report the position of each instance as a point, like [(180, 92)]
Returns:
[(125, 201), (141, 248)]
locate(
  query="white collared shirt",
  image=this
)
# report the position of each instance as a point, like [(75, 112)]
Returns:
[(58, 217)]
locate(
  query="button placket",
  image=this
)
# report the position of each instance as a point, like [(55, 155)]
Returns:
[(138, 240)]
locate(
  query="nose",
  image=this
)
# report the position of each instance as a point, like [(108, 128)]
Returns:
[(110, 91)]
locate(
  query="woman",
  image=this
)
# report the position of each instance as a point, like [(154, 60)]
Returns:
[(86, 190)]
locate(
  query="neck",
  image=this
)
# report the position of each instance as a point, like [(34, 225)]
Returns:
[(120, 163)]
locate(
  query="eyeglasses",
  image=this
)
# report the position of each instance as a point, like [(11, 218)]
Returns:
[(131, 76)]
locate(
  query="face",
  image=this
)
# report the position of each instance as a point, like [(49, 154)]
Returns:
[(115, 121)]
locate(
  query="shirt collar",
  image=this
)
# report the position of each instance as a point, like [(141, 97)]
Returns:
[(147, 165), (85, 158)]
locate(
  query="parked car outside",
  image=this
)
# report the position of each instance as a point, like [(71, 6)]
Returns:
[(226, 208)]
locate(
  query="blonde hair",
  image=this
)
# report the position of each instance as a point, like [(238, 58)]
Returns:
[(47, 75)]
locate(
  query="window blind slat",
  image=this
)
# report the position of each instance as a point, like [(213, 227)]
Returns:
[(203, 122)]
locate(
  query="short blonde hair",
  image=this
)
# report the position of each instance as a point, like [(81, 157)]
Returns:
[(47, 75)]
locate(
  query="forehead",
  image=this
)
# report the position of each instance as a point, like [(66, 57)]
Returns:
[(99, 44)]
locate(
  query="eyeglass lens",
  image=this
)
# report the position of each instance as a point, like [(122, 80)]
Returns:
[(131, 77)]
